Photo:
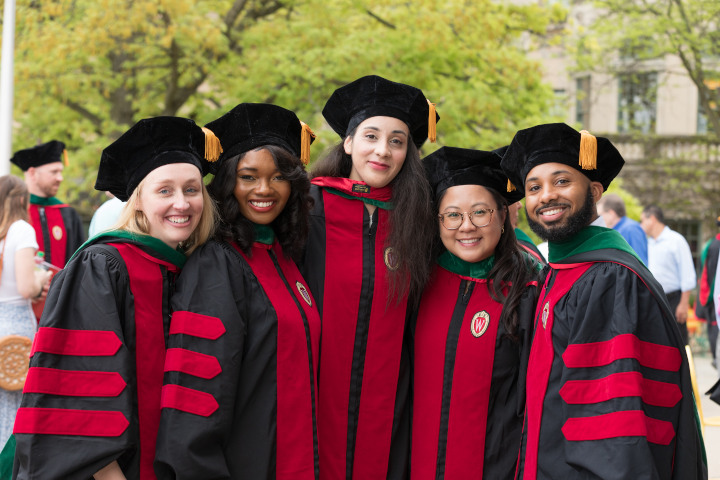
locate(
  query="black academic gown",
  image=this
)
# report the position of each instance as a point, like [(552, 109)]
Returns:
[(239, 399), (468, 377), (608, 390), (92, 393), (364, 379)]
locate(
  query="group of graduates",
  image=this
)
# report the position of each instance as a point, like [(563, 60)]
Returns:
[(374, 319)]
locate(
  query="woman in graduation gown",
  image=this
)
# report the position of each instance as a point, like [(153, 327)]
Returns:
[(91, 403), (368, 253), (472, 332), (239, 399)]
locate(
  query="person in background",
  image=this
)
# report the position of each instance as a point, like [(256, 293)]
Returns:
[(705, 303), (671, 263), (609, 393), (240, 393), (58, 228), (473, 328), (91, 403), (368, 256), (611, 208), (106, 215), (20, 282)]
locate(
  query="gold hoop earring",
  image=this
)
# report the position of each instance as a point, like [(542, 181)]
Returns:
[(502, 229)]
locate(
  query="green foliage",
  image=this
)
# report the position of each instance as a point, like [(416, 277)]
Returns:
[(88, 69)]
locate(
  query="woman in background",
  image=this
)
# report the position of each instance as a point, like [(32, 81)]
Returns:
[(472, 332), (91, 403), (368, 257), (20, 283)]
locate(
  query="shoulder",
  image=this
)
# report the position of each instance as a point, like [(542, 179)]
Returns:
[(21, 227), (213, 255)]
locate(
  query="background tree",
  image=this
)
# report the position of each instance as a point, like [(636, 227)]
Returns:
[(88, 69)]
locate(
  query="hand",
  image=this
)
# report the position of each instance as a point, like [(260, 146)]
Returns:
[(43, 278), (681, 312)]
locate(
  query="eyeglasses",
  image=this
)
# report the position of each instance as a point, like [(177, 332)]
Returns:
[(479, 218)]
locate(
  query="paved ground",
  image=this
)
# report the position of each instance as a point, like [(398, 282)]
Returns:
[(706, 378)]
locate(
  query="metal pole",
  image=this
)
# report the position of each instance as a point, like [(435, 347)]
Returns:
[(6, 86)]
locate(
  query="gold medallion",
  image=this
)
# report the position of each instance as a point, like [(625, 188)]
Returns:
[(304, 293), (545, 313), (479, 323), (57, 232), (391, 261)]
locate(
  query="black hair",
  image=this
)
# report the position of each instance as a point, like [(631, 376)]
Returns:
[(291, 226), (655, 211)]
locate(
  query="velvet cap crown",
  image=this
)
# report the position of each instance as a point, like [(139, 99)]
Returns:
[(147, 145), (49, 152), (558, 143), (251, 125), (374, 96), (450, 166)]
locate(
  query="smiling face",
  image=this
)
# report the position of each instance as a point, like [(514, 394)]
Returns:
[(560, 201), (378, 150), (260, 189), (468, 242), (171, 199)]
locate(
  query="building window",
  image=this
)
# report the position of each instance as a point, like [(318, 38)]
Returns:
[(637, 94), (582, 101), (702, 121)]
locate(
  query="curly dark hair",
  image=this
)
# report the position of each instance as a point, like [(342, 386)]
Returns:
[(291, 226), (511, 268), (409, 234)]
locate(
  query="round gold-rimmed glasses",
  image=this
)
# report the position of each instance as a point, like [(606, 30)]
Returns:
[(453, 220)]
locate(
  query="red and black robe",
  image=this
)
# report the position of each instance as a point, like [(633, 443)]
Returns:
[(58, 229), (364, 378), (92, 393), (529, 247), (468, 377), (705, 305), (239, 399), (608, 389)]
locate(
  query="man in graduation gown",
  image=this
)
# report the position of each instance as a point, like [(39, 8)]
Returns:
[(608, 391), (58, 228)]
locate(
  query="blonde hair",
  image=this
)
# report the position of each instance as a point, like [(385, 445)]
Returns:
[(14, 199), (135, 221)]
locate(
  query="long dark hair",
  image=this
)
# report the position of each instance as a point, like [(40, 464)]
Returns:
[(409, 236), (512, 268), (291, 226)]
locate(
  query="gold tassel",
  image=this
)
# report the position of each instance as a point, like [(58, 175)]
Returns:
[(588, 151), (432, 123), (510, 186), (66, 160), (306, 136), (213, 148)]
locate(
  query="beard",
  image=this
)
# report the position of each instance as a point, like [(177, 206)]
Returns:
[(570, 227)]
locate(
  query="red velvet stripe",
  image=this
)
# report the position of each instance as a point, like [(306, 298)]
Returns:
[(341, 297), (86, 343), (632, 423), (382, 369), (193, 363), (146, 284), (58, 246), (197, 325), (470, 398), (37, 225), (60, 421), (542, 354), (431, 332), (73, 383), (188, 400), (625, 384), (597, 354), (295, 438)]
